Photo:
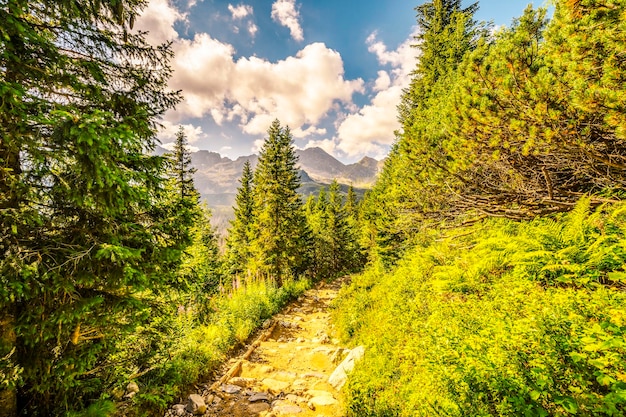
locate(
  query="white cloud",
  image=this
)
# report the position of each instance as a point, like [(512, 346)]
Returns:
[(158, 20), (285, 13), (383, 81), (241, 11), (329, 145), (371, 129), (252, 29), (169, 130), (299, 90)]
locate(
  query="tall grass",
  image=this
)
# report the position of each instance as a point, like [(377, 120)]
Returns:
[(500, 319)]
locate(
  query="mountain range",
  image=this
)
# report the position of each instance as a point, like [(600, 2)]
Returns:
[(217, 177)]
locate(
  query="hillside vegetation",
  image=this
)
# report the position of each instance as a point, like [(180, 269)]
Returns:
[(495, 234)]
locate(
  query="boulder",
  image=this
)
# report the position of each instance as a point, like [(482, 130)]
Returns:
[(340, 374)]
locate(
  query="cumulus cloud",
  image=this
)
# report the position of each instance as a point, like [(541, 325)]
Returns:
[(329, 145), (371, 129), (241, 11), (169, 130), (285, 13), (158, 20), (299, 90)]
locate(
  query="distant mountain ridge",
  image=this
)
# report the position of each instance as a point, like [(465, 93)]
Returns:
[(217, 177)]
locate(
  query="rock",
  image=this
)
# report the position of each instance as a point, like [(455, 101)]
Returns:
[(195, 405), (299, 385), (258, 407), (266, 369), (340, 375), (179, 410), (266, 324), (259, 396), (132, 387), (337, 355), (274, 386), (322, 401), (231, 389), (241, 382)]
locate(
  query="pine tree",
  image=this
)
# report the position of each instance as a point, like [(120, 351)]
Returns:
[(281, 232), (82, 239), (182, 168), (447, 32), (338, 231), (238, 243), (355, 251)]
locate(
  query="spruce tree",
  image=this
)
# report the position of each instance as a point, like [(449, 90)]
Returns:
[(240, 233), (83, 241), (282, 237), (338, 231), (182, 168)]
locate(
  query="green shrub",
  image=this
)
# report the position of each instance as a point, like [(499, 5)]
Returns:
[(499, 319)]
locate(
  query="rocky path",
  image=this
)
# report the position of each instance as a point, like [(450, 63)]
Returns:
[(285, 372)]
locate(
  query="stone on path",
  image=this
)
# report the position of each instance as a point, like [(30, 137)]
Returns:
[(231, 389), (274, 386), (340, 375), (257, 408), (259, 396), (179, 410), (195, 405)]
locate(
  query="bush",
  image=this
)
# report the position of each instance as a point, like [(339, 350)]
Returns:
[(499, 319)]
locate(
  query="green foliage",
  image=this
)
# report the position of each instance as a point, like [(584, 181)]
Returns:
[(281, 235), (495, 319), (334, 225), (195, 349), (84, 233), (240, 233)]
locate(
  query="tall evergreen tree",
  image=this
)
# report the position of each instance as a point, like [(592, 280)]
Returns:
[(238, 243), (415, 184), (338, 230), (182, 168), (447, 32), (282, 236), (82, 243)]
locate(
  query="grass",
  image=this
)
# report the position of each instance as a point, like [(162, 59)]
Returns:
[(499, 319)]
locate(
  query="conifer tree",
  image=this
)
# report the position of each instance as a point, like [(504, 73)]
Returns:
[(338, 230), (83, 240), (182, 168), (240, 234), (282, 237)]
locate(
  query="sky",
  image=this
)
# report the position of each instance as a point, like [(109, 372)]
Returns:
[(332, 70)]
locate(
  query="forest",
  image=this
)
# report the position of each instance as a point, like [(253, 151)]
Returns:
[(487, 263)]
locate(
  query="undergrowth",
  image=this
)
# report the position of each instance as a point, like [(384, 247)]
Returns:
[(498, 319), (195, 349)]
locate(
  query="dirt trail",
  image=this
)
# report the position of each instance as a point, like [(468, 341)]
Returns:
[(286, 371)]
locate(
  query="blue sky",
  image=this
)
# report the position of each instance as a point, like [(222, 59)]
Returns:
[(333, 70)]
